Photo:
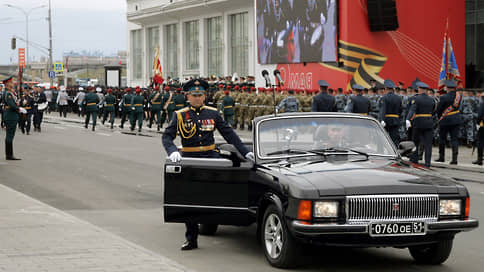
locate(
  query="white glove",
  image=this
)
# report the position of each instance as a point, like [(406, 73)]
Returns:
[(175, 156), (133, 108), (277, 110), (383, 123), (250, 156), (477, 126), (23, 110), (408, 124)]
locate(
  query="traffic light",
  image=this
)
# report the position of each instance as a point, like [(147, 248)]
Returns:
[(14, 43)]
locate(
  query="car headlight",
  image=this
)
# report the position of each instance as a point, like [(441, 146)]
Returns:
[(327, 209), (450, 207)]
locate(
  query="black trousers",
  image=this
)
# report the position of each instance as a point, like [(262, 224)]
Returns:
[(422, 136), (63, 110), (191, 233), (394, 134), (454, 133), (38, 116)]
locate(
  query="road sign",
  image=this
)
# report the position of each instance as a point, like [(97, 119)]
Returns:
[(51, 74), (58, 67), (21, 57)]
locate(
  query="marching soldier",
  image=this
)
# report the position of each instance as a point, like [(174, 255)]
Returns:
[(480, 127), (244, 107), (10, 117), (421, 110), (126, 107), (108, 102), (467, 128), (195, 125), (168, 106), (324, 102), (290, 103), (179, 100), (340, 100), (449, 120), (227, 108), (358, 103), (390, 111), (26, 118), (156, 100), (91, 102), (39, 98), (137, 110)]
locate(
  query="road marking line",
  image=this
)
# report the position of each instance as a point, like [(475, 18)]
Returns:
[(57, 127), (104, 134)]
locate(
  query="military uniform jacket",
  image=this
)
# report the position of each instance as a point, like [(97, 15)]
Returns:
[(227, 105), (422, 108), (156, 103), (10, 112), (126, 102), (290, 103), (109, 101), (480, 113), (453, 117), (324, 102), (137, 102), (90, 101), (28, 104), (39, 98), (179, 101), (358, 104), (196, 127), (391, 109)]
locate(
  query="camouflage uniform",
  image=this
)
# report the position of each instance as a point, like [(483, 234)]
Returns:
[(340, 102), (467, 128)]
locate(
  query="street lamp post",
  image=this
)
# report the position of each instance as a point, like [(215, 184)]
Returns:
[(26, 13)]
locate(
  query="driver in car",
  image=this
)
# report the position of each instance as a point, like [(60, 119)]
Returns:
[(195, 125), (329, 136)]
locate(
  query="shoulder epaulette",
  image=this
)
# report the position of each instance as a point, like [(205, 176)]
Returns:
[(210, 108)]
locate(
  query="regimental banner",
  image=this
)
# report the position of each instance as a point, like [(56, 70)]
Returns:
[(21, 57)]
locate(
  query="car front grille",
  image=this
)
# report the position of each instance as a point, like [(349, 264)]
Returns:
[(367, 208)]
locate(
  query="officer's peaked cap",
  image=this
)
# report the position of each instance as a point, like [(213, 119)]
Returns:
[(358, 87), (196, 86), (450, 84), (421, 84), (388, 83), (323, 83)]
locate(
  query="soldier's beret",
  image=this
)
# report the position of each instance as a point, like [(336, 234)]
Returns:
[(138, 90), (323, 83), (253, 89), (110, 91), (388, 83), (237, 87), (221, 86), (226, 92), (450, 84), (229, 87)]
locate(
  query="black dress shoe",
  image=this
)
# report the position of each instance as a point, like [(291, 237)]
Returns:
[(189, 245)]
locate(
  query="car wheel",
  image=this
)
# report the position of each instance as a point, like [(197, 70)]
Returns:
[(432, 254), (280, 247), (208, 229)]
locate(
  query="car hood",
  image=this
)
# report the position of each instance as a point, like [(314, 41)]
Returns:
[(376, 176)]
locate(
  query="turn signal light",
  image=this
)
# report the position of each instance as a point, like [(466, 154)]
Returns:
[(468, 207), (304, 211)]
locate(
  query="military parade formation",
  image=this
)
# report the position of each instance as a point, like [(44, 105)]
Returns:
[(449, 117)]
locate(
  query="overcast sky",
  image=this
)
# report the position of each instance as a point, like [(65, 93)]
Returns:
[(77, 25)]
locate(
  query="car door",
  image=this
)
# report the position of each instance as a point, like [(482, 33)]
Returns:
[(207, 191)]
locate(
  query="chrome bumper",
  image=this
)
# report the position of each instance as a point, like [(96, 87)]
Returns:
[(332, 228)]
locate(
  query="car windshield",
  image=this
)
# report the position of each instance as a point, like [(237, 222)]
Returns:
[(311, 135)]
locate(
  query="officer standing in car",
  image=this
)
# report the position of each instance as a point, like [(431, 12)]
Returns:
[(390, 111), (421, 110), (195, 125), (324, 102)]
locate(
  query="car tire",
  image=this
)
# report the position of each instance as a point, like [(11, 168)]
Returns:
[(432, 254), (208, 229), (280, 247)]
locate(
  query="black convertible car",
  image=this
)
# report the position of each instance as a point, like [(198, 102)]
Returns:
[(323, 178)]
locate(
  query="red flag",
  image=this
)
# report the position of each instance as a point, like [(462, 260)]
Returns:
[(157, 73)]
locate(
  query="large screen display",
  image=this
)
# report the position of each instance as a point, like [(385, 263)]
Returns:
[(295, 31)]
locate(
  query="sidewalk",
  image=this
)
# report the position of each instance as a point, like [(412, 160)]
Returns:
[(36, 237), (465, 154)]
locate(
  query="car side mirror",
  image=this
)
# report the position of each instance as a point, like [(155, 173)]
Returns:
[(405, 148)]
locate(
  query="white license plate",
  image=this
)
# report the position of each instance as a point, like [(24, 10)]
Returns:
[(397, 228)]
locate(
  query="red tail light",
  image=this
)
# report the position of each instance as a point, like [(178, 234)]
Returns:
[(468, 207)]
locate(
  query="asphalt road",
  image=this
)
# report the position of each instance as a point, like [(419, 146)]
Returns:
[(113, 180)]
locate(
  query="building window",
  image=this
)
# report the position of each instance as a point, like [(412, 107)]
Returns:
[(215, 46), (170, 52), (136, 54), (152, 44), (474, 43), (239, 44), (191, 46)]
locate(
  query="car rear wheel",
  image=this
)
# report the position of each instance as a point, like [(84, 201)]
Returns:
[(208, 229), (280, 248), (432, 254)]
